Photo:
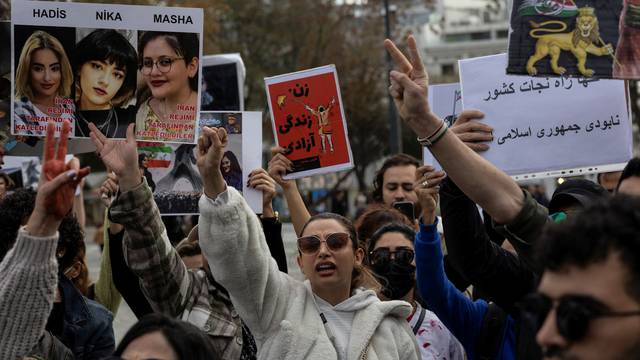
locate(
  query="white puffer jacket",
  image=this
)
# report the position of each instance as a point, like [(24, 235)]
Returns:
[(279, 310)]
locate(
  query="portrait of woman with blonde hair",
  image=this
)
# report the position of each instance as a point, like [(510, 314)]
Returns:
[(42, 85)]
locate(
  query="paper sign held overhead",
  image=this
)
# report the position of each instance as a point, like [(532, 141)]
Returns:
[(547, 124), (110, 65), (308, 120)]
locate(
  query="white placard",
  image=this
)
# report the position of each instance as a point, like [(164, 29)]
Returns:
[(106, 16), (446, 102), (548, 126), (88, 69), (171, 171)]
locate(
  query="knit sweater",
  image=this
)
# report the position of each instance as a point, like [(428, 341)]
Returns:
[(281, 311), (28, 279)]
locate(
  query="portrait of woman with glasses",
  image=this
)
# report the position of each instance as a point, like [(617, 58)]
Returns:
[(169, 63), (391, 257), (105, 65), (334, 313), (42, 85)]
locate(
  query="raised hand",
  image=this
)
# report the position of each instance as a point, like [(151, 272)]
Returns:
[(473, 133), (211, 145), (278, 166), (121, 156), (409, 88), (58, 183), (427, 186), (109, 188), (260, 180)]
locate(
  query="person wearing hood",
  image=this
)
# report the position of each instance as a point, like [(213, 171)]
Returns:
[(392, 259), (328, 316)]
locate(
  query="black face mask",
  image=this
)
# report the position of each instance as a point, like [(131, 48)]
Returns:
[(396, 278)]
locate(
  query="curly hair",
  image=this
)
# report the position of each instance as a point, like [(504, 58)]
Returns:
[(15, 210), (395, 160), (606, 227)]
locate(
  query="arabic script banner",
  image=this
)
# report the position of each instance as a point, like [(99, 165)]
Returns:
[(546, 124)]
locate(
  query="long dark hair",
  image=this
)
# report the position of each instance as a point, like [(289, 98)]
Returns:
[(185, 45), (361, 276), (187, 341), (235, 164), (109, 46)]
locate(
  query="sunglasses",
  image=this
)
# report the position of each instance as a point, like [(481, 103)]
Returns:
[(310, 245), (574, 313), (382, 255)]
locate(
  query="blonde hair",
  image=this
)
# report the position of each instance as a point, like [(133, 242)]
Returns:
[(42, 40)]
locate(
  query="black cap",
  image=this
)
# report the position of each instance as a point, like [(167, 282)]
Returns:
[(576, 190)]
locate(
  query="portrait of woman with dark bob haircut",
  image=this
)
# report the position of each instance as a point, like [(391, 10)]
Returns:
[(105, 65), (169, 64), (157, 336), (43, 84)]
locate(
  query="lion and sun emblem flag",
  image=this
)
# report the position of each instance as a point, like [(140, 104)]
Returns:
[(584, 38)]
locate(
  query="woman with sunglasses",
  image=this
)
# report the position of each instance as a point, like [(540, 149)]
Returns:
[(169, 64), (391, 258), (463, 317), (331, 315)]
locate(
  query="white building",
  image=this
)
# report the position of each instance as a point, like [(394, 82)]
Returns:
[(462, 29)]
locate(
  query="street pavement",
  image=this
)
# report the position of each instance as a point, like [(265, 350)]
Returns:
[(125, 317)]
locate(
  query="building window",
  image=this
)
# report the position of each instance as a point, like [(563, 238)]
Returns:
[(485, 35), (503, 34), (447, 69)]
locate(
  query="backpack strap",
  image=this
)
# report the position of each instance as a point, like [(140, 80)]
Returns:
[(491, 333), (416, 327)]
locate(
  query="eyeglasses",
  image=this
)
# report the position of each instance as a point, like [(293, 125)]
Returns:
[(163, 64), (311, 244), (382, 255), (573, 313)]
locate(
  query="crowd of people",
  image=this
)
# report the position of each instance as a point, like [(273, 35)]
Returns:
[(521, 279)]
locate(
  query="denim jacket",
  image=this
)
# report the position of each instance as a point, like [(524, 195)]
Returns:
[(87, 326)]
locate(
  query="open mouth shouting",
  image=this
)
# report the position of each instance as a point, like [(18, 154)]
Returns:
[(326, 268)]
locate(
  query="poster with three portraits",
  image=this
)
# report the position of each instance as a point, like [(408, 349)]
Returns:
[(110, 65)]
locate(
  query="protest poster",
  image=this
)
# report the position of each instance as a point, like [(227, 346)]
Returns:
[(575, 38), (223, 83), (87, 57), (547, 127), (446, 102), (308, 120), (172, 173)]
